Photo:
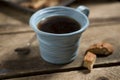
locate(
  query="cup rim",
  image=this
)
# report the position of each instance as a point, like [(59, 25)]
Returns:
[(54, 34)]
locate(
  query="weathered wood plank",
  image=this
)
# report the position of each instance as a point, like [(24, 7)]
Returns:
[(17, 21), (13, 20), (107, 33), (110, 73), (11, 25), (104, 10), (12, 64)]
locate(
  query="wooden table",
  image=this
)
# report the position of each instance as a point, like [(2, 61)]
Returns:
[(15, 32)]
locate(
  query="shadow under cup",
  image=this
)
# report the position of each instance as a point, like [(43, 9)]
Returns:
[(59, 48)]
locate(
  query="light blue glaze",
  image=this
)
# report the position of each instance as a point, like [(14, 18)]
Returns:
[(60, 48)]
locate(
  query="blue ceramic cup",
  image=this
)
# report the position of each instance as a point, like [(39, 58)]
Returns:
[(60, 48)]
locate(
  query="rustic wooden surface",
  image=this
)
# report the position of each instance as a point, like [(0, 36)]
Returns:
[(110, 73), (14, 32)]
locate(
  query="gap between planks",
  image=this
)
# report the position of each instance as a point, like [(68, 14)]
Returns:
[(94, 22), (27, 74)]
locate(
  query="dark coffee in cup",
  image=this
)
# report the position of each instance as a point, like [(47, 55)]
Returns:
[(59, 25)]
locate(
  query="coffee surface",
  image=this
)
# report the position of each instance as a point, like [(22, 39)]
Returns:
[(59, 25)]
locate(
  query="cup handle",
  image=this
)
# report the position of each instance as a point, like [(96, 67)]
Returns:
[(83, 9)]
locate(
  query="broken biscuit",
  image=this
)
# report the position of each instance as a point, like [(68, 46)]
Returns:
[(89, 60), (101, 49)]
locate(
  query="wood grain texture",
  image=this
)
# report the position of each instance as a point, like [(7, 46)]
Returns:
[(15, 21), (13, 64), (104, 10), (110, 73), (9, 25)]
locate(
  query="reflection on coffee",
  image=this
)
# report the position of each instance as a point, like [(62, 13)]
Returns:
[(59, 25)]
